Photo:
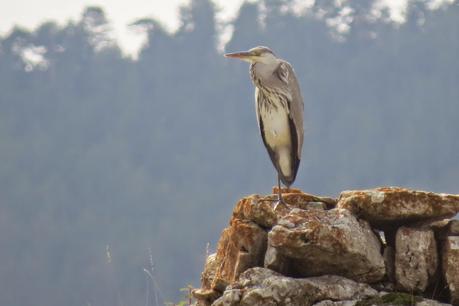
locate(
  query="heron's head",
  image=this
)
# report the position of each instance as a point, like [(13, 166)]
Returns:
[(255, 55)]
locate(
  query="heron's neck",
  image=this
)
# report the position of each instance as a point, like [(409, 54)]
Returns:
[(264, 70)]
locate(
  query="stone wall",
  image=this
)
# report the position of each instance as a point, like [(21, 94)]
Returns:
[(384, 246)]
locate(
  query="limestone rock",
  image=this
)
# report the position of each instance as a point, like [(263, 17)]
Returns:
[(210, 268), (205, 297), (259, 286), (427, 302), (336, 303), (330, 202), (260, 209), (451, 267), (257, 209), (389, 261), (444, 228), (242, 245), (415, 258), (320, 242), (392, 205), (328, 253), (274, 260), (398, 299)]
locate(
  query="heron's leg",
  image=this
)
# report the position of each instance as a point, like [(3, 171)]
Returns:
[(280, 199)]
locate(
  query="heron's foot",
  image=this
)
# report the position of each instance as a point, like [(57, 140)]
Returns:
[(270, 198), (280, 202)]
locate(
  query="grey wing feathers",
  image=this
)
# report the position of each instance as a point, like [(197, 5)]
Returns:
[(296, 106)]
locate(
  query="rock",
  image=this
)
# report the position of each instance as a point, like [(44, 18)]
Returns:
[(319, 242), (257, 209), (398, 299), (339, 288), (452, 228), (389, 262), (276, 261), (426, 302), (231, 297), (259, 286), (444, 228), (451, 267), (328, 254), (241, 246), (336, 303), (393, 206), (208, 275), (415, 258), (330, 202), (205, 296), (260, 209)]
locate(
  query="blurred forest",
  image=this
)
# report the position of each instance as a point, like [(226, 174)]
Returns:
[(106, 160)]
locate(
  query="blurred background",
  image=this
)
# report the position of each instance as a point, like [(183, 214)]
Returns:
[(125, 152)]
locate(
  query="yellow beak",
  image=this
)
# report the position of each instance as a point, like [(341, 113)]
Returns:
[(241, 55)]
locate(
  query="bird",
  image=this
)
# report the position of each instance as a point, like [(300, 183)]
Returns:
[(279, 109)]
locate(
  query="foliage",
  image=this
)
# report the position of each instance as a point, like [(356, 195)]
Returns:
[(394, 298)]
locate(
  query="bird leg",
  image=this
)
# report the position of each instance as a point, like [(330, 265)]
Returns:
[(280, 199)]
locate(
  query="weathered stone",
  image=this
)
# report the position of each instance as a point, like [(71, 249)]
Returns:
[(336, 303), (415, 258), (444, 228), (259, 286), (260, 209), (276, 261), (389, 261), (451, 267), (390, 206), (208, 275), (205, 296), (319, 242), (339, 288), (398, 299), (257, 209), (453, 228), (231, 297), (330, 202), (241, 246), (427, 302), (310, 239)]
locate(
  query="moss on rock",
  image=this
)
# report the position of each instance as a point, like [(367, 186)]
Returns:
[(394, 298)]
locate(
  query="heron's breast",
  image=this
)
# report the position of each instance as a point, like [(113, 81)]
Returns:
[(276, 126)]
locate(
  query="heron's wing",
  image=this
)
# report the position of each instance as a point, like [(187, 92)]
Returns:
[(287, 77)]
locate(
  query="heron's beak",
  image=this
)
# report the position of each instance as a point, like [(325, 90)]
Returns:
[(246, 55)]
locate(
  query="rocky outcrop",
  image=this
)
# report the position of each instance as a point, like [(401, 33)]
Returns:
[(361, 249)]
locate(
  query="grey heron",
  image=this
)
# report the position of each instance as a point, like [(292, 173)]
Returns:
[(279, 109)]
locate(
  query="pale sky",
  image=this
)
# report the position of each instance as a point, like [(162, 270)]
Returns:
[(30, 13)]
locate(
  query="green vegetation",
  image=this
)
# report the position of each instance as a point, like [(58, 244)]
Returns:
[(394, 298)]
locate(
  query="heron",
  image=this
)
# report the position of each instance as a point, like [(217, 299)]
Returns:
[(279, 109)]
